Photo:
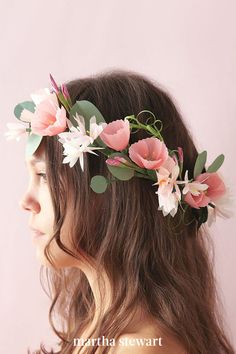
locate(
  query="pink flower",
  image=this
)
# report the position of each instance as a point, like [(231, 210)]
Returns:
[(54, 84), (149, 153), (169, 164), (116, 161), (65, 92), (49, 118), (116, 134), (216, 187), (200, 194), (197, 201), (181, 155)]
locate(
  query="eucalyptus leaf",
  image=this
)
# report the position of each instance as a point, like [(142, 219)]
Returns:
[(28, 105), (200, 163), (122, 173), (216, 163), (87, 110), (33, 142), (98, 184)]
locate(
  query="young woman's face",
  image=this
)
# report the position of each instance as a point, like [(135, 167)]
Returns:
[(37, 200)]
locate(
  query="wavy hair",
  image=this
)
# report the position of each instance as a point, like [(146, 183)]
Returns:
[(163, 264)]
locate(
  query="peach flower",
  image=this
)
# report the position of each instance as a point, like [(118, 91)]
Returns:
[(216, 187), (200, 196), (148, 153), (116, 134), (48, 118), (197, 201), (116, 161)]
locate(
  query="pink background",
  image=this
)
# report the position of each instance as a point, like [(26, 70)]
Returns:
[(188, 46)]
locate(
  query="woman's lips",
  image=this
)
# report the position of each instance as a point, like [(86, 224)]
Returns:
[(36, 233)]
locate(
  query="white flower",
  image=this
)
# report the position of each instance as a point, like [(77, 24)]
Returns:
[(16, 130), (81, 124), (95, 129), (75, 148), (168, 191), (40, 95), (168, 200), (76, 141), (223, 207), (195, 188)]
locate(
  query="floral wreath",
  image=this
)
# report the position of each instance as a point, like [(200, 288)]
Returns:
[(81, 129)]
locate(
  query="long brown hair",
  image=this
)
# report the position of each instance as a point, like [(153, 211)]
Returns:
[(149, 260)]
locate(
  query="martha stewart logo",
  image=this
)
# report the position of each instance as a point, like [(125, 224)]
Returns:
[(124, 341)]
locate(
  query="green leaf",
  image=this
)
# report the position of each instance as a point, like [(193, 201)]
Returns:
[(152, 174), (216, 164), (28, 105), (87, 110), (200, 163), (98, 184), (32, 144), (122, 173)]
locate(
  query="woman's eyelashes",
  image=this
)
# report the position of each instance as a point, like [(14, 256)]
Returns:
[(42, 176)]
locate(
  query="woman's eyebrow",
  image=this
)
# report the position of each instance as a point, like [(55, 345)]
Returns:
[(34, 161)]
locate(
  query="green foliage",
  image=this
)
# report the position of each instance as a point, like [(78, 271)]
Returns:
[(32, 144), (121, 172), (98, 184), (28, 105), (216, 164), (87, 110), (200, 163)]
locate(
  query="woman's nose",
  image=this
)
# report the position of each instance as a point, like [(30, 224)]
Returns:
[(29, 203)]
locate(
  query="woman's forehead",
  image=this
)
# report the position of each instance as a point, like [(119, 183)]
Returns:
[(37, 157), (32, 160)]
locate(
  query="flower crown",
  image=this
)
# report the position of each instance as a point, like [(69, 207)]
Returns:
[(81, 129)]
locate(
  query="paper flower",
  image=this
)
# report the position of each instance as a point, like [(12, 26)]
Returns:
[(194, 193), (169, 194), (168, 200), (50, 113), (48, 118), (199, 194), (16, 130), (75, 148), (224, 207), (216, 187), (116, 134), (76, 142), (116, 161), (148, 153)]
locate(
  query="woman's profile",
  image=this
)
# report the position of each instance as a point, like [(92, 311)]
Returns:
[(119, 225)]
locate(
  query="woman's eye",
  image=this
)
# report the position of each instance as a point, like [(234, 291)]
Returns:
[(43, 175)]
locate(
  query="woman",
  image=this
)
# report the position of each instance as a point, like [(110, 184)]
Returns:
[(118, 267)]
